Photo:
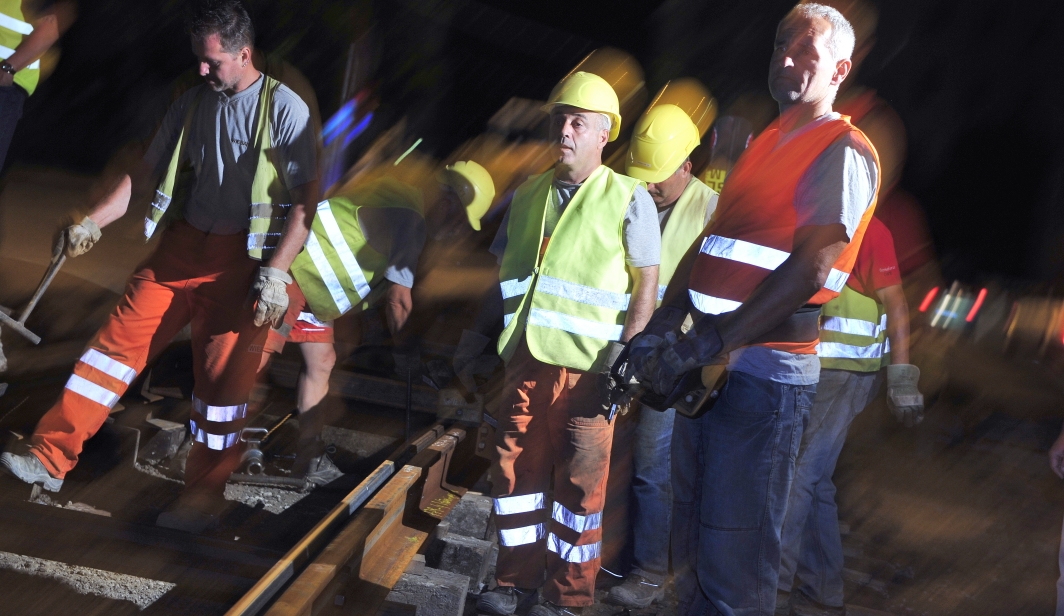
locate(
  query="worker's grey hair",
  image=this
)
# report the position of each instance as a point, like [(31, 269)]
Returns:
[(841, 38), (606, 123), (226, 18)]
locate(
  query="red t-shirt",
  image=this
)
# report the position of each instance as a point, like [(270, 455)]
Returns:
[(876, 266)]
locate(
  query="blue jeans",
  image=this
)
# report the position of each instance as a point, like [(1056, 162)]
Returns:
[(651, 497), (812, 545), (732, 472)]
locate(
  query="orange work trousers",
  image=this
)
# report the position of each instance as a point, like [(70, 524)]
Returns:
[(551, 423), (192, 277)]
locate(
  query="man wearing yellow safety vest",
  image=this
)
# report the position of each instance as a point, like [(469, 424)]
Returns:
[(782, 242), (862, 330), (659, 154), (21, 46), (363, 248), (238, 191), (579, 253)]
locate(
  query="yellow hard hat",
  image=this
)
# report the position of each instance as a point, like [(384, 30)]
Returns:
[(693, 98), (590, 92), (474, 187), (661, 141)]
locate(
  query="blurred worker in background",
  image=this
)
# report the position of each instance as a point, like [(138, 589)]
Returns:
[(660, 155), (238, 192), (731, 134), (363, 250), (863, 330), (579, 252), (785, 235)]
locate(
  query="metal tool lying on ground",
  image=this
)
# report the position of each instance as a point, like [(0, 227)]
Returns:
[(20, 325), (253, 461)]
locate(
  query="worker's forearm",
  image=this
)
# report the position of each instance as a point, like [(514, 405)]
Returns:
[(398, 303), (45, 34), (114, 202), (644, 298), (786, 290), (296, 227)]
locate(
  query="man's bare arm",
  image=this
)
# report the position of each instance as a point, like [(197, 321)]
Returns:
[(792, 284), (46, 31), (893, 300), (297, 226), (397, 306), (644, 298)]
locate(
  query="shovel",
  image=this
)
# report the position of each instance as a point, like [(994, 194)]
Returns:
[(20, 325)]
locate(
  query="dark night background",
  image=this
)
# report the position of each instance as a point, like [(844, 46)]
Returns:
[(978, 85)]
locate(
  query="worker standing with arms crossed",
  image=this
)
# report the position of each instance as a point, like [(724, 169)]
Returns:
[(861, 331), (788, 226), (579, 253), (239, 191), (659, 154)]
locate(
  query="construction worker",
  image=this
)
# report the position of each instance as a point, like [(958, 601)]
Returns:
[(781, 244), (659, 154), (237, 196), (579, 252), (364, 250), (861, 331)]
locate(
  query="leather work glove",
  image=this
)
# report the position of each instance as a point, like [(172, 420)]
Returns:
[(470, 346), (271, 296), (605, 383), (76, 239), (646, 343), (685, 355), (904, 399)]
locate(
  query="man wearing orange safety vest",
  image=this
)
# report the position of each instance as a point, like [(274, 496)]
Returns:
[(788, 226), (239, 188), (578, 272)]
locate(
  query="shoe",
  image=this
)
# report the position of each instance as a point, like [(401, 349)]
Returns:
[(504, 600), (549, 609), (186, 519), (636, 592), (29, 469), (802, 605)]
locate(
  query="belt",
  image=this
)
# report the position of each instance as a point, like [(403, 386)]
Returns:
[(802, 326)]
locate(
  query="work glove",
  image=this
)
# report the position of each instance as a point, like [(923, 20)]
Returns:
[(645, 344), (904, 399), (76, 239), (270, 296), (604, 382), (470, 346), (699, 348)]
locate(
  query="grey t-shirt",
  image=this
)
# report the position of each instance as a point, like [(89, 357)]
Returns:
[(836, 189), (399, 234), (641, 237), (223, 157), (665, 213)]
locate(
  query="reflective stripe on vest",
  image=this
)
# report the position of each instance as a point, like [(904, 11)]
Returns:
[(570, 301), (853, 333), (13, 30), (340, 270), (270, 200)]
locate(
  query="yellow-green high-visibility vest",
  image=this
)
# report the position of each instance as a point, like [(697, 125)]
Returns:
[(338, 270), (270, 200), (853, 333), (684, 226), (571, 302), (13, 28)]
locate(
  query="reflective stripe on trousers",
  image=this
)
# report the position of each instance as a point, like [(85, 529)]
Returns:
[(106, 393)]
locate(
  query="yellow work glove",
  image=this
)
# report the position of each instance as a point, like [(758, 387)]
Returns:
[(904, 399), (77, 239), (271, 296)]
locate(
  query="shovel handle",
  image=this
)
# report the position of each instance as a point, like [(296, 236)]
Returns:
[(20, 328), (53, 269)]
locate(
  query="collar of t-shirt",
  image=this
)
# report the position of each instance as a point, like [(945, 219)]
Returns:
[(786, 137)]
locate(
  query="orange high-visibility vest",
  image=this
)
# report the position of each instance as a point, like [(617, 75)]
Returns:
[(753, 232)]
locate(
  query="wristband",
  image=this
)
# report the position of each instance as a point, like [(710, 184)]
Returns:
[(7, 68)]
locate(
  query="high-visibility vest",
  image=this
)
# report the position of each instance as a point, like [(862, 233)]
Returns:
[(270, 200), (685, 225), (571, 301), (13, 28), (753, 230), (853, 333), (339, 270)]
